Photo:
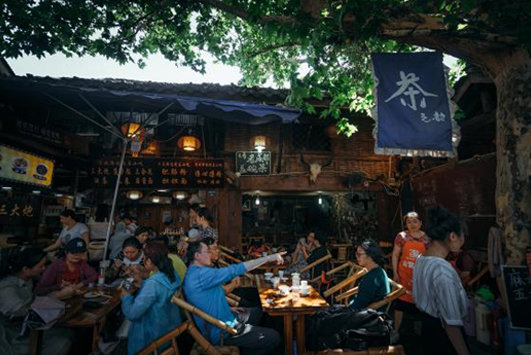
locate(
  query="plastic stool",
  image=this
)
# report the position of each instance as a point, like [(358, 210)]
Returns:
[(524, 349)]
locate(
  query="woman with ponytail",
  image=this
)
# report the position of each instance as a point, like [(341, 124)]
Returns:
[(151, 312), (375, 284), (437, 288)]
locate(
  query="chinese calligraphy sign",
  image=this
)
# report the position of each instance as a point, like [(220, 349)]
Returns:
[(160, 173), (253, 163), (18, 211), (517, 283)]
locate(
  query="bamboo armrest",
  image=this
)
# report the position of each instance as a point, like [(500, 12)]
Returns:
[(333, 271), (348, 281), (316, 262), (478, 276), (232, 302), (225, 249), (347, 294), (390, 297), (187, 306), (229, 257)]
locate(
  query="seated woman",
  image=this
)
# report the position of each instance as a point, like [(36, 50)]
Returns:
[(70, 271), (16, 296), (257, 248), (375, 284), (130, 262), (311, 251), (151, 312)]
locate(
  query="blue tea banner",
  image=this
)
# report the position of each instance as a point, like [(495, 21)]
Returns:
[(413, 114)]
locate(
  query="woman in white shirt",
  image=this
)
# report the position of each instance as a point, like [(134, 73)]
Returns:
[(72, 229), (437, 289)]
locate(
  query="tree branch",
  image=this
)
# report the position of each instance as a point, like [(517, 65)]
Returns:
[(272, 47), (224, 7)]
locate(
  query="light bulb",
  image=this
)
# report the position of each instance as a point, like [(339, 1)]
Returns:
[(320, 200), (257, 201)]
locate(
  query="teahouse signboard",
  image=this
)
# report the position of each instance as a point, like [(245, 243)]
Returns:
[(159, 173), (253, 163), (24, 167), (18, 211)]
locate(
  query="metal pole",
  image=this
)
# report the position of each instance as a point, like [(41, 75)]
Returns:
[(115, 197), (84, 116), (99, 114)]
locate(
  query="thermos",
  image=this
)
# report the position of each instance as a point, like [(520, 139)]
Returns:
[(482, 328)]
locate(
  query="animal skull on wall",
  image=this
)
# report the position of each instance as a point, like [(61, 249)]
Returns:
[(315, 168)]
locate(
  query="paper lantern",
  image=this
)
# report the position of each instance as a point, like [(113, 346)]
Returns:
[(134, 195), (155, 199), (189, 143), (132, 130)]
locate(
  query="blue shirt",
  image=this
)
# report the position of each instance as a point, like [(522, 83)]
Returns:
[(202, 288), (151, 312)]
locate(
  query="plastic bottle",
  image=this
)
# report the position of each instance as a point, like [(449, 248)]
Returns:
[(101, 278), (482, 328), (296, 281)]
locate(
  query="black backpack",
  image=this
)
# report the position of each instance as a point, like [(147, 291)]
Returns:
[(342, 328)]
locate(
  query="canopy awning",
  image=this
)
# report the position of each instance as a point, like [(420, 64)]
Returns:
[(226, 110)]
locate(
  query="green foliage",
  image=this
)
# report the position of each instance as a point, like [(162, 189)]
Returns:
[(269, 40)]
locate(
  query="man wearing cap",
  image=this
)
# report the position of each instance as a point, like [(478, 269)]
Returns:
[(70, 272), (72, 230)]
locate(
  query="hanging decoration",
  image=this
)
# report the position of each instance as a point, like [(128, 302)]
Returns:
[(136, 134), (413, 111), (189, 143)]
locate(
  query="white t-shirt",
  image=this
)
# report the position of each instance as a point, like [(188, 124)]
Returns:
[(437, 290), (76, 231)]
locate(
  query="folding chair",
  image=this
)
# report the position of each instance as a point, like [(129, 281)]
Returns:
[(203, 346)]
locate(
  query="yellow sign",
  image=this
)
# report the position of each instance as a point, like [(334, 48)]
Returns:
[(24, 167)]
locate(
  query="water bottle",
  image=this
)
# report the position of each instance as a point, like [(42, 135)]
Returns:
[(101, 278)]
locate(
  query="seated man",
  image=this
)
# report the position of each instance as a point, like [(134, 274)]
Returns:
[(203, 289)]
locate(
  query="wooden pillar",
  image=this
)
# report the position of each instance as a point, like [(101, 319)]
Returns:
[(230, 219)]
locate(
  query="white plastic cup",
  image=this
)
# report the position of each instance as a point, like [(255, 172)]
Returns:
[(281, 273), (276, 282)]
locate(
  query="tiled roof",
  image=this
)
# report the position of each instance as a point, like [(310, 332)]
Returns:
[(214, 91)]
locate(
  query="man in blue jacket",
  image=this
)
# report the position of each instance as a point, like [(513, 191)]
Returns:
[(203, 289)]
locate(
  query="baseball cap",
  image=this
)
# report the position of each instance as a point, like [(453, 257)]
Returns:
[(76, 246)]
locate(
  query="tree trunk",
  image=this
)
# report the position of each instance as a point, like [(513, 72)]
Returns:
[(513, 152)]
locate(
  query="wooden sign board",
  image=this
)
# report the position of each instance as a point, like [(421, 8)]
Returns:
[(159, 173), (517, 284), (253, 163)]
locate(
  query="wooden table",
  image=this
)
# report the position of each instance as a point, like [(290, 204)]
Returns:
[(77, 316), (286, 307)]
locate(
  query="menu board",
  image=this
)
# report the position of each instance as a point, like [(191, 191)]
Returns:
[(517, 283), (18, 211), (159, 173), (24, 167), (253, 163)]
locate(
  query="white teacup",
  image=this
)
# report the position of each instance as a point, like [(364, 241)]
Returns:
[(295, 274), (264, 253), (275, 250), (304, 283), (284, 290), (305, 290), (268, 276), (281, 273)]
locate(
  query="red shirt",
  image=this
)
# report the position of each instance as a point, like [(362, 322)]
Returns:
[(73, 277)]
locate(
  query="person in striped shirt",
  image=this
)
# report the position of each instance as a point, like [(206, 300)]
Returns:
[(437, 289)]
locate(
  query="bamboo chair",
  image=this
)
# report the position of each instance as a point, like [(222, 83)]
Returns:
[(204, 346), (387, 350), (311, 266), (347, 283), (170, 338), (397, 290)]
